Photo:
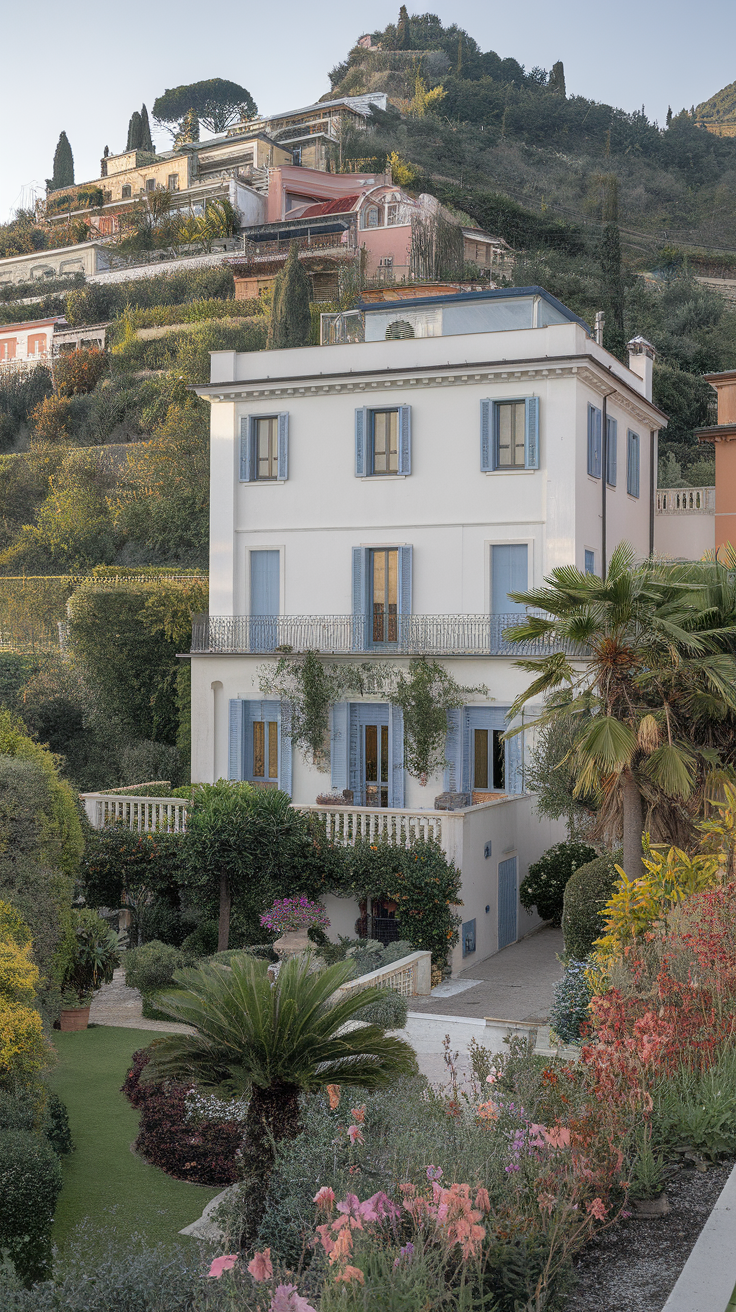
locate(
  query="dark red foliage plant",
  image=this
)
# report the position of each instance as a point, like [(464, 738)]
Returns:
[(204, 1152)]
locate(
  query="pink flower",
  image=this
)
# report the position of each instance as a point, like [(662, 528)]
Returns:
[(492, 1078), (221, 1264), (482, 1200), (597, 1208), (358, 1113), (286, 1298), (355, 1134), (558, 1136), (260, 1265), (351, 1273), (324, 1198)]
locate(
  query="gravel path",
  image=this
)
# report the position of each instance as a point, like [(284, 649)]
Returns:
[(634, 1266), (116, 1004)]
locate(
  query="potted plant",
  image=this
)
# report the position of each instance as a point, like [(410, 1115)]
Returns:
[(292, 918), (93, 953)]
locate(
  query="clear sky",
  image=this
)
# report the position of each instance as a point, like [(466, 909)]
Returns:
[(85, 68)]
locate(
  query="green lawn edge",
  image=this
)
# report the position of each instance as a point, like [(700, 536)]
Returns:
[(107, 1189)]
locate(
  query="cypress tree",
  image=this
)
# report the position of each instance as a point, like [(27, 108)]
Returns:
[(291, 322), (669, 115), (135, 128), (63, 175), (146, 141), (613, 289), (403, 32), (557, 79)]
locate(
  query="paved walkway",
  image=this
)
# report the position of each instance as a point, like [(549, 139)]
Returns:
[(515, 984), (116, 1004)]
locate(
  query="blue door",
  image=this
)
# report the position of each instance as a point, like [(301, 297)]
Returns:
[(507, 899), (509, 573), (264, 599)]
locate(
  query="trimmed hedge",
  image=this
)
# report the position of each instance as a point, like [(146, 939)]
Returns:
[(152, 966), (159, 316), (586, 894), (102, 301), (204, 1153), (30, 1180), (544, 886)]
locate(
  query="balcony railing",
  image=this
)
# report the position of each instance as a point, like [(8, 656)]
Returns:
[(416, 635), (686, 501)]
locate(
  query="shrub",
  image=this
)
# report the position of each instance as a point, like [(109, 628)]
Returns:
[(78, 372), (120, 864), (544, 886), (62, 841), (36, 1111), (420, 880), (98, 302), (205, 1152), (50, 419), (152, 966), (570, 1008), (390, 1012), (202, 942), (586, 895), (30, 1180)]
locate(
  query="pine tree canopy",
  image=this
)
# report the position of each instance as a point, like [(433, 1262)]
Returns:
[(217, 103)]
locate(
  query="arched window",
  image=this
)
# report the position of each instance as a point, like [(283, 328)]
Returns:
[(399, 330), (372, 218)]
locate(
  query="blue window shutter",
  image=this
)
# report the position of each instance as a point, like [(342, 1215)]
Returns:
[(612, 454), (453, 751), (361, 436), (283, 457), (246, 450), (265, 568), (396, 750), (531, 432), (355, 756), (486, 437), (405, 580), (509, 573), (339, 736), (404, 439), (360, 598), (594, 441), (465, 781), (285, 748), (236, 739), (632, 477), (514, 764)]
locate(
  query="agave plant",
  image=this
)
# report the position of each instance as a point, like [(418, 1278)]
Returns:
[(276, 1041)]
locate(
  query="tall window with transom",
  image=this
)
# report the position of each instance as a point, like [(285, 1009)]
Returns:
[(384, 585)]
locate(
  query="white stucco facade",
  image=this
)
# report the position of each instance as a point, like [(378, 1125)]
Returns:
[(456, 516)]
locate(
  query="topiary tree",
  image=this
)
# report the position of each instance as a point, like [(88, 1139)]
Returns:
[(291, 321), (63, 175), (586, 894), (544, 886)]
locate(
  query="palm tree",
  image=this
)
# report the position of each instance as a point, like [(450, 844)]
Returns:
[(641, 665), (277, 1041)]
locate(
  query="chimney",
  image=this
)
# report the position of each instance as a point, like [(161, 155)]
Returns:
[(641, 360), (600, 323)]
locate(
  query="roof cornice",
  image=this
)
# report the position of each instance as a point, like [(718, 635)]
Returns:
[(545, 368)]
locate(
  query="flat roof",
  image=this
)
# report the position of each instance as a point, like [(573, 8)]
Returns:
[(492, 294), (30, 323)]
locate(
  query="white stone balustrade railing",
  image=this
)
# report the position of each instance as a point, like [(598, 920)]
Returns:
[(409, 976), (686, 501), (147, 815)]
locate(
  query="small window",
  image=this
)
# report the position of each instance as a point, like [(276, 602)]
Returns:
[(173, 182), (393, 214), (296, 155), (265, 749), (509, 435), (399, 331), (127, 191), (266, 447), (372, 217), (150, 184), (594, 441), (589, 562), (384, 446), (489, 761), (632, 464)]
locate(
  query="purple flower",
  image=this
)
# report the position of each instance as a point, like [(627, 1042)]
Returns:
[(434, 1172), (406, 1254)]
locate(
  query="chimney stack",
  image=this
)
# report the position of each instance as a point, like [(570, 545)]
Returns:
[(641, 361)]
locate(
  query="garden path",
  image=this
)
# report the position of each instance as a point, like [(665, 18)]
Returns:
[(116, 1004), (514, 984)]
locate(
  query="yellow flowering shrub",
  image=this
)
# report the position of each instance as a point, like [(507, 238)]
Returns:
[(23, 1049), (19, 976), (22, 1045)]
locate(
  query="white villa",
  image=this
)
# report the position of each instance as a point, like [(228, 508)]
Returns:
[(378, 500)]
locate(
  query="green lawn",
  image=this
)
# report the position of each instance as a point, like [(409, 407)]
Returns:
[(105, 1184)]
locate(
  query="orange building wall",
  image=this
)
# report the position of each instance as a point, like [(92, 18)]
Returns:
[(725, 483)]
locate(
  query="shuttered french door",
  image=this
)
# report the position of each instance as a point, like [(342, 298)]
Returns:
[(507, 900)]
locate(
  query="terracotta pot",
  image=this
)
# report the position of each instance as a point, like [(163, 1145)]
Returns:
[(291, 943), (73, 1018)]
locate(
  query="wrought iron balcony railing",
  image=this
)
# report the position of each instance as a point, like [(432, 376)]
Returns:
[(415, 635)]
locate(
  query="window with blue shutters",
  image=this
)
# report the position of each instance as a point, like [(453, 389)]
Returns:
[(382, 592), (383, 441), (611, 450), (478, 758), (259, 743), (264, 448), (371, 754), (509, 573), (589, 561), (594, 441), (509, 435), (632, 464)]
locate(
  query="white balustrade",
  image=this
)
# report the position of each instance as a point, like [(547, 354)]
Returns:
[(686, 501), (409, 976), (146, 815), (346, 824)]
